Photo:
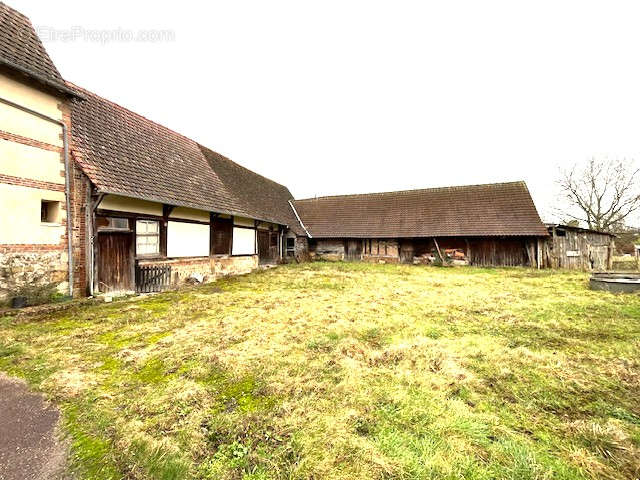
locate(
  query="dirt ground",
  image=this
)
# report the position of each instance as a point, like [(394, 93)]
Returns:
[(30, 447)]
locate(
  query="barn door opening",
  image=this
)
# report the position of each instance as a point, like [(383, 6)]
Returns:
[(115, 262), (267, 246)]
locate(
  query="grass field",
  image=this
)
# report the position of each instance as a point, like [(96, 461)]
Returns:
[(346, 371)]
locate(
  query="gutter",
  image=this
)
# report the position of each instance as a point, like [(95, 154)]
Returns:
[(299, 219), (67, 181), (59, 86)]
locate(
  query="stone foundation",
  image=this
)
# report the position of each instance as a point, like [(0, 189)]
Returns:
[(205, 267), (32, 269), (226, 265)]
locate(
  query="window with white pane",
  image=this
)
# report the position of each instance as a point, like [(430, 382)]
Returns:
[(147, 237)]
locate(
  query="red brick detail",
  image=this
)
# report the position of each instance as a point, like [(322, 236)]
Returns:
[(26, 247), (12, 137), (27, 182), (80, 188)]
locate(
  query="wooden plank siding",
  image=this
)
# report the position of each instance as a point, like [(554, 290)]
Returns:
[(578, 249)]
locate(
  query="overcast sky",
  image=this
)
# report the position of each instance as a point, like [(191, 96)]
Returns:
[(345, 96)]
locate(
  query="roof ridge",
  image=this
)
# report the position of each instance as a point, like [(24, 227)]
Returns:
[(415, 190)]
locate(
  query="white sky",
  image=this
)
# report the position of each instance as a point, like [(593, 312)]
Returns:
[(345, 96)]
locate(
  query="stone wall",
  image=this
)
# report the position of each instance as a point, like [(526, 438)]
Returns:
[(207, 268), (227, 265), (327, 249), (33, 267)]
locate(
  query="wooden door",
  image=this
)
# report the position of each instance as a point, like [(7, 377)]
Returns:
[(115, 262), (267, 246), (353, 250)]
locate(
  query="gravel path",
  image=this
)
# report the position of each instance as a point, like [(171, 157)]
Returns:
[(30, 447)]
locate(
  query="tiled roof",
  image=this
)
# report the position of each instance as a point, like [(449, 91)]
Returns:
[(261, 198), (22, 50), (124, 153), (501, 209)]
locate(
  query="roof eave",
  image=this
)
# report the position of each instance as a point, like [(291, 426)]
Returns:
[(59, 86), (106, 191)]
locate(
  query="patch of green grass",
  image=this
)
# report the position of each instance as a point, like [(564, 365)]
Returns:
[(346, 371)]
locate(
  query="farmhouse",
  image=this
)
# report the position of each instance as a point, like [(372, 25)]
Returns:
[(162, 208), (494, 224), (96, 198)]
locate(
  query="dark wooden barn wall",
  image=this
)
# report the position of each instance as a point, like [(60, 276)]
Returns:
[(504, 252), (482, 251)]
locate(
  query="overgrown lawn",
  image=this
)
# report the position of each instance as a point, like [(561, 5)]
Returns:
[(346, 371)]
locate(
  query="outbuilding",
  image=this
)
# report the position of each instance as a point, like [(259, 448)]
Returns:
[(578, 248), (486, 225)]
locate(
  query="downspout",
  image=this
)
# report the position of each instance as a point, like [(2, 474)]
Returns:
[(67, 182)]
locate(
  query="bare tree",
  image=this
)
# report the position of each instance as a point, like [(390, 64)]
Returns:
[(601, 193)]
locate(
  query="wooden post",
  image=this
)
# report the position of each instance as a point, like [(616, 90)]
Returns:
[(468, 252), (438, 249), (538, 253)]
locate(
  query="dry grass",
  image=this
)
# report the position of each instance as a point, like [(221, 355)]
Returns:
[(347, 371)]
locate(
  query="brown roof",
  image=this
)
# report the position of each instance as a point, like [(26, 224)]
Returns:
[(261, 198), (21, 50), (124, 153), (500, 209)]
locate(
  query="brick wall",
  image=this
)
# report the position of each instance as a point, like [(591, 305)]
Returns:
[(80, 201)]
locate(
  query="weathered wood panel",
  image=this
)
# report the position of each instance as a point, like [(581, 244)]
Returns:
[(267, 246), (578, 250), (115, 262), (353, 249), (499, 252)]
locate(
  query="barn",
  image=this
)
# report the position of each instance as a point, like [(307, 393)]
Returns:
[(486, 225)]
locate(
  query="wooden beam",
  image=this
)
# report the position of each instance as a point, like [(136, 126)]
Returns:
[(438, 249), (468, 252)]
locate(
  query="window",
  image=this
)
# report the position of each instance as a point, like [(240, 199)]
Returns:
[(291, 247), (147, 237), (112, 223), (221, 237), (50, 211)]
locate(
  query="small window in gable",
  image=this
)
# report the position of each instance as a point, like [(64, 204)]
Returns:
[(50, 211)]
